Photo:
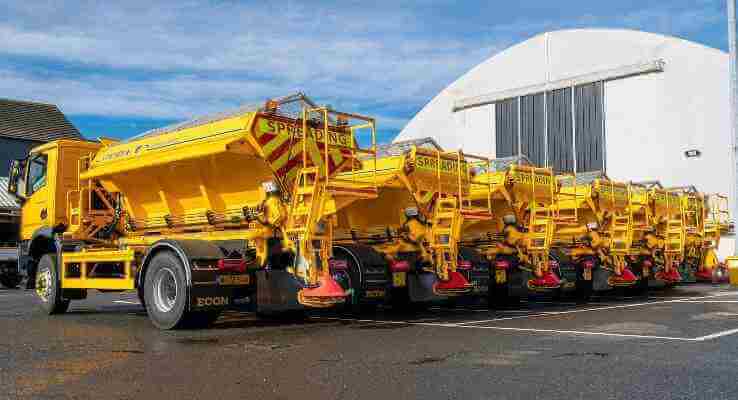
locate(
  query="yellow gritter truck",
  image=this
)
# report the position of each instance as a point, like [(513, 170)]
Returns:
[(517, 240), (198, 215), (403, 246)]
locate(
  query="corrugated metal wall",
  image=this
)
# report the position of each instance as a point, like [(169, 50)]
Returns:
[(589, 135), (533, 128), (506, 126), (560, 149), (555, 147)]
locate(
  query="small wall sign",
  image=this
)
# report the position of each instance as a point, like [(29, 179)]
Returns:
[(694, 153)]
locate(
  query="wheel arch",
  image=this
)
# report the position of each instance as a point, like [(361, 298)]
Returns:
[(362, 255), (348, 250), (42, 242), (187, 251)]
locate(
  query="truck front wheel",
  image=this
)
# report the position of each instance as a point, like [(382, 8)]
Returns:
[(48, 286)]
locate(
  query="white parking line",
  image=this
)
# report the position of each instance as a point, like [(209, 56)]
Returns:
[(716, 335), (579, 333), (472, 324), (458, 309), (713, 301), (550, 313), (126, 302), (534, 330)]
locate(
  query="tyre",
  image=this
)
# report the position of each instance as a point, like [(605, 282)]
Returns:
[(478, 276), (399, 300), (165, 296), (140, 295), (583, 290), (350, 280), (11, 280), (499, 296), (584, 287), (48, 286), (641, 286)]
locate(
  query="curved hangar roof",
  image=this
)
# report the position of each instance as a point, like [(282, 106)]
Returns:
[(694, 78)]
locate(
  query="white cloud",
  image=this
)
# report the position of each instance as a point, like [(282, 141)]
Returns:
[(665, 19), (206, 56), (187, 58), (179, 98)]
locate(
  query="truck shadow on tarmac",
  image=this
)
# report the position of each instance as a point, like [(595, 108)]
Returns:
[(381, 318)]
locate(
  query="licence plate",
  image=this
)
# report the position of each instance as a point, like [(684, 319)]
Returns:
[(587, 274), (374, 293), (480, 289), (234, 279), (500, 276), (399, 279)]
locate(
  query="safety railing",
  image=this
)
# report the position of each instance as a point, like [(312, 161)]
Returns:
[(340, 141), (474, 166), (718, 215), (638, 205), (566, 206), (674, 232)]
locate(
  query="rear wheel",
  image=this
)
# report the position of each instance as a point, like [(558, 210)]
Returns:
[(10, 280), (499, 295), (351, 280), (641, 286), (494, 299), (165, 295), (48, 286), (584, 287), (507, 293)]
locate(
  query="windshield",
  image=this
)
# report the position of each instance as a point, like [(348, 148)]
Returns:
[(36, 174)]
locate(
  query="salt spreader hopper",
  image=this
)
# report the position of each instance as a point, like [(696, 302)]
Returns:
[(197, 215)]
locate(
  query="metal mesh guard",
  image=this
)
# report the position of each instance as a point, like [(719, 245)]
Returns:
[(502, 164), (584, 178), (289, 106), (399, 148)]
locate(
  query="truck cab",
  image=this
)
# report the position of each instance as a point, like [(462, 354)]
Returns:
[(42, 182)]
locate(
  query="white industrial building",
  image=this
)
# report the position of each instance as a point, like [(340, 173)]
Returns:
[(640, 106)]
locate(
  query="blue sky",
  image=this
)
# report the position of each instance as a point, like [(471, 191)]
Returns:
[(120, 69)]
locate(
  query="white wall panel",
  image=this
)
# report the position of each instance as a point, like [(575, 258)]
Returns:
[(651, 120)]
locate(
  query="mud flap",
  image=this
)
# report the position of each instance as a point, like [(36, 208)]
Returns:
[(204, 297), (568, 274), (517, 281), (654, 283), (687, 272), (276, 291), (420, 287), (600, 278)]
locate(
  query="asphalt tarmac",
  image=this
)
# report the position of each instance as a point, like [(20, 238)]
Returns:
[(677, 344)]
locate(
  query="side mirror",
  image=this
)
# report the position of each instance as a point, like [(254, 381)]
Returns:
[(16, 172)]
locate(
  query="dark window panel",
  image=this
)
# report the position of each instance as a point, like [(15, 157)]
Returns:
[(589, 135), (506, 127), (560, 145), (532, 133)]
